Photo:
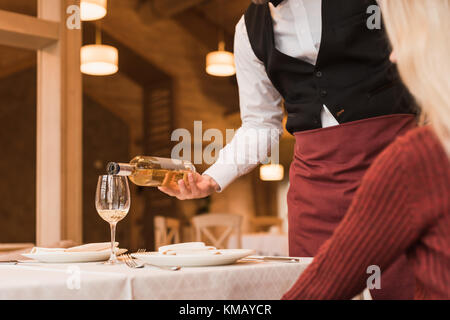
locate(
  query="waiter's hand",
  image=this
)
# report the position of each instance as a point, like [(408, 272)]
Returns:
[(199, 187)]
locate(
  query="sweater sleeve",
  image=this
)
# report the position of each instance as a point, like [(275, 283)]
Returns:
[(375, 231)]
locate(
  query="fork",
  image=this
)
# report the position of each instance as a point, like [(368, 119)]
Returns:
[(130, 262)]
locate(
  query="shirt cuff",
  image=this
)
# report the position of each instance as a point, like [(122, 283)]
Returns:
[(223, 174)]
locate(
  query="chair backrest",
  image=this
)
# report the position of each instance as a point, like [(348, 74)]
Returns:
[(167, 231), (231, 222), (263, 223)]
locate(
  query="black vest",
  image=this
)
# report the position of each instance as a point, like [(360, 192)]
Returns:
[(353, 76)]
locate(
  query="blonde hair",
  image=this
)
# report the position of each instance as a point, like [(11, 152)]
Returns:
[(420, 35)]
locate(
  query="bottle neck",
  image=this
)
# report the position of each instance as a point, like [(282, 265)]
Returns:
[(120, 169)]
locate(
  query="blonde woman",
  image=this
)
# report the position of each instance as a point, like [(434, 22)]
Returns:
[(403, 204)]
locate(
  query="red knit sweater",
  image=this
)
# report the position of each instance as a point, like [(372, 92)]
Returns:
[(402, 205)]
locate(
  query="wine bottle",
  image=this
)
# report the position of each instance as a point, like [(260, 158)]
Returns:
[(152, 171)]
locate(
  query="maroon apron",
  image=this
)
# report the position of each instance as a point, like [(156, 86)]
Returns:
[(327, 168)]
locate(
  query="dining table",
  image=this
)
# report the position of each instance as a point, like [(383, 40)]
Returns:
[(244, 280)]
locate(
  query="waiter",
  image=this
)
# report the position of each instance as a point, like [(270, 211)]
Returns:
[(344, 104)]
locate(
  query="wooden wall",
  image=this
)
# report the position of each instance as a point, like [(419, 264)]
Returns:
[(18, 159), (105, 137)]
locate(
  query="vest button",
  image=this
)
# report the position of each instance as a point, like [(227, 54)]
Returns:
[(323, 93), (319, 74)]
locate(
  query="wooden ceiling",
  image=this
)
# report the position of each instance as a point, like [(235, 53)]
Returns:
[(219, 13), (172, 36), (225, 12), (201, 18), (176, 35), (28, 7)]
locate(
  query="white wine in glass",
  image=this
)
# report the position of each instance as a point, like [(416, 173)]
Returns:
[(112, 216), (112, 201)]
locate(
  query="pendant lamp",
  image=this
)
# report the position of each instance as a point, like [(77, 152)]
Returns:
[(93, 9), (220, 63), (99, 59), (271, 172)]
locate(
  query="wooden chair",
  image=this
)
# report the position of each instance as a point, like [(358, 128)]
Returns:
[(167, 231), (263, 223), (205, 222)]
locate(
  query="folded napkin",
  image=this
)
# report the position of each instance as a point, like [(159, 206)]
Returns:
[(188, 248), (90, 247)]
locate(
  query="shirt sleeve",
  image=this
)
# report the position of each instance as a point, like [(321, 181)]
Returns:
[(261, 115), (376, 230)]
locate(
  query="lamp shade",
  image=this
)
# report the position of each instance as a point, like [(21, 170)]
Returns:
[(99, 60), (271, 172), (220, 63), (92, 9)]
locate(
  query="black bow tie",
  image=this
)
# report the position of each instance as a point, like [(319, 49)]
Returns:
[(276, 2)]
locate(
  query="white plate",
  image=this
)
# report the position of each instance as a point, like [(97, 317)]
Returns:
[(227, 256), (71, 257)]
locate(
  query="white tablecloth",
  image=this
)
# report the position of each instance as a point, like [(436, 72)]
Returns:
[(243, 280), (264, 243)]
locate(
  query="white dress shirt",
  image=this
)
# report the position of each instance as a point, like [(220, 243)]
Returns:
[(297, 28)]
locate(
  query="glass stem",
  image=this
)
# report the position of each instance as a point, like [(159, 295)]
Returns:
[(113, 241)]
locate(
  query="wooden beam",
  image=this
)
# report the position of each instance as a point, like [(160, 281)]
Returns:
[(151, 11), (20, 30), (58, 164), (48, 145), (72, 132)]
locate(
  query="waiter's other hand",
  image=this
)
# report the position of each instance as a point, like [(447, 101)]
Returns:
[(199, 187)]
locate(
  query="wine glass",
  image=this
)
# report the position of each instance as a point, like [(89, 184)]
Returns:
[(112, 201)]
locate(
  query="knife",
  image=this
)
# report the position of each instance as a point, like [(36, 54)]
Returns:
[(9, 262), (273, 258)]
